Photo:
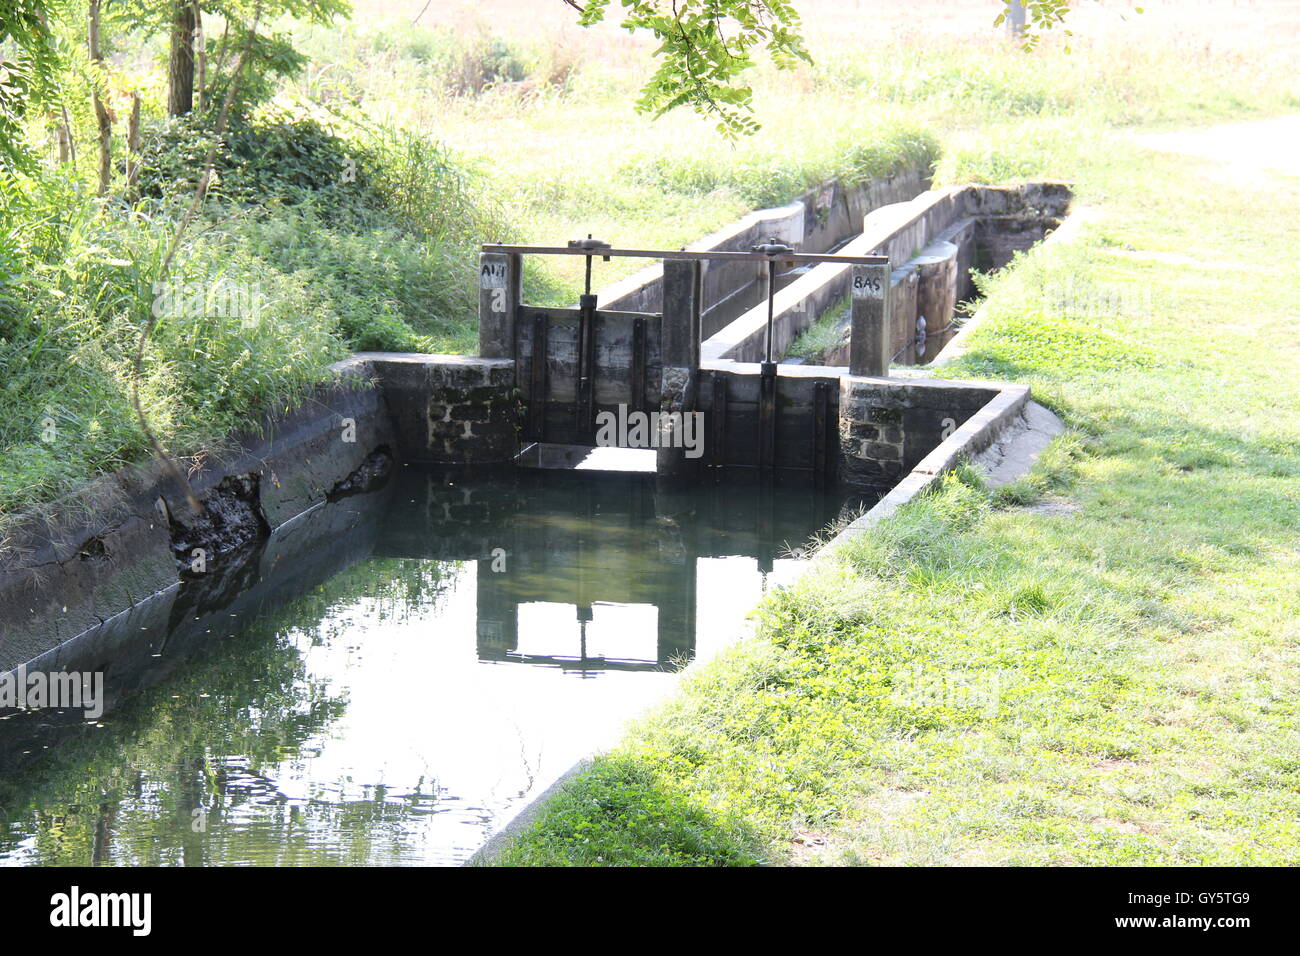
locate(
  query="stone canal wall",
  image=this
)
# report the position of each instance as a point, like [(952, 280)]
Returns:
[(934, 241), (815, 222), (446, 409)]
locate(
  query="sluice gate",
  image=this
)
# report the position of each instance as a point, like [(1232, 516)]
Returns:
[(591, 378)]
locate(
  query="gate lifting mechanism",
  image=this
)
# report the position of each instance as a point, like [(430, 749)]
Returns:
[(772, 249), (561, 344), (585, 405)]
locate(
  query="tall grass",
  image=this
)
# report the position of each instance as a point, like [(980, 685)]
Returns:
[(316, 240), (770, 173), (75, 318)]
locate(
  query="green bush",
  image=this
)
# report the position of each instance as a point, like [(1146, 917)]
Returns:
[(376, 228), (271, 157), (388, 289)]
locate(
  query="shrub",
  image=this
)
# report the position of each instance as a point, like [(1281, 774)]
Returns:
[(273, 157)]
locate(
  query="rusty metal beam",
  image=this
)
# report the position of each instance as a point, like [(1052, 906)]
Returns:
[(794, 258)]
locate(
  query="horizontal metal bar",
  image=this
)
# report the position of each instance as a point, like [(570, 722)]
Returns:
[(560, 314), (794, 257)]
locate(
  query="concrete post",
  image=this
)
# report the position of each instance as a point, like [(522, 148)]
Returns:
[(679, 352), (500, 283), (869, 352)]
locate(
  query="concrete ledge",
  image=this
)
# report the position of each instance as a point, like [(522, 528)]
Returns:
[(488, 853), (814, 222), (896, 230), (1018, 445), (448, 409), (975, 435)]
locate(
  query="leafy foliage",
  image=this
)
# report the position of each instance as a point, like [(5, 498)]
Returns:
[(705, 47), (29, 73), (269, 55), (273, 157), (1039, 15)]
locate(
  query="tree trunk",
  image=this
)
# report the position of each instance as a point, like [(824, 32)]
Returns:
[(133, 141), (200, 58), (68, 138), (62, 137), (1015, 19), (180, 65), (102, 117)]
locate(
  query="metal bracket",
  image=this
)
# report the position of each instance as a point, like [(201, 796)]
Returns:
[(821, 434), (606, 253)]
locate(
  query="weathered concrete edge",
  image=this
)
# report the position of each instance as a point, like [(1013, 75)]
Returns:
[(881, 229), (628, 292), (49, 596), (975, 435), (497, 844)]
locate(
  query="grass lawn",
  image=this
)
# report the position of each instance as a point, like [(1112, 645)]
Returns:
[(1099, 665)]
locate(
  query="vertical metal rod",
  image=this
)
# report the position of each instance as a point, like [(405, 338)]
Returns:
[(767, 370), (537, 380), (766, 545), (719, 430), (584, 406), (638, 402), (771, 300), (584, 403), (821, 401), (767, 415)]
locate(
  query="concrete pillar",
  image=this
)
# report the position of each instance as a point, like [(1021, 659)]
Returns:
[(497, 617), (679, 351), (500, 283), (871, 433), (936, 292), (902, 314), (869, 351)]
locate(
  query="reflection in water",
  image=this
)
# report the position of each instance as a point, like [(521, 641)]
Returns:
[(390, 678)]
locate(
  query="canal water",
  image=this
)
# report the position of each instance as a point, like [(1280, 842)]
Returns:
[(391, 677)]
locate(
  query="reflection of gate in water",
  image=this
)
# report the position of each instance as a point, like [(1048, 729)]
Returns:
[(596, 545)]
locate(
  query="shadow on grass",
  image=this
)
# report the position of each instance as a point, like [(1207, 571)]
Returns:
[(619, 813)]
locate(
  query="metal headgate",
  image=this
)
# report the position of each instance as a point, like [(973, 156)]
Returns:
[(572, 364)]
